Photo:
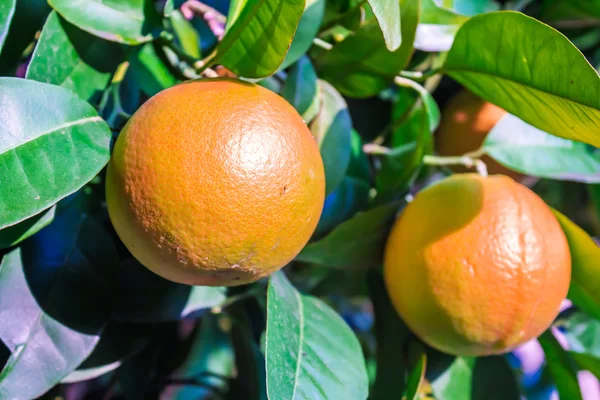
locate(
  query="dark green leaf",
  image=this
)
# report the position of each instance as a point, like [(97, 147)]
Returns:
[(124, 21), (71, 58), (387, 13), (531, 71), (332, 128), (119, 341), (557, 10), (301, 89), (359, 167), (149, 71), (7, 10), (187, 35), (17, 233), (52, 144), (437, 27), (143, 296), (307, 30), (361, 65), (561, 367), (418, 361), (310, 351), (531, 151), (585, 274), (357, 242), (258, 35)]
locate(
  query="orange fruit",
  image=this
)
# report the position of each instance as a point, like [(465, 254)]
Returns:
[(477, 265), (215, 182), (465, 123)]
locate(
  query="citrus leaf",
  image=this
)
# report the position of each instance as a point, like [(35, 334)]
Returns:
[(437, 27), (531, 71), (310, 351), (357, 242), (17, 233), (187, 35), (561, 367), (301, 89), (118, 342), (258, 35), (332, 128), (582, 333), (149, 71), (74, 59), (308, 27), (456, 381), (387, 13), (416, 376), (557, 10), (361, 65), (143, 296), (7, 10), (531, 151), (124, 21), (585, 273), (52, 143)]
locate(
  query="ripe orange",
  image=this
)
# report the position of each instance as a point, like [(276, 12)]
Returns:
[(215, 182), (477, 266), (465, 123)]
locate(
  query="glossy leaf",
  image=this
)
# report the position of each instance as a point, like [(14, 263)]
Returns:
[(143, 296), (437, 27), (258, 35), (73, 59), (332, 128), (310, 351), (416, 376), (530, 70), (52, 143), (149, 71), (582, 333), (387, 13), (7, 10), (130, 22), (585, 274), (301, 89), (187, 35), (361, 65), (17, 233), (456, 380), (357, 242), (308, 27), (531, 151), (561, 367)]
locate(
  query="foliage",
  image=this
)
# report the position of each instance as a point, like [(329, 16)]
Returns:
[(78, 314)]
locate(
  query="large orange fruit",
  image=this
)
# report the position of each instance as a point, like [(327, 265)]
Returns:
[(477, 265), (215, 182), (465, 123)]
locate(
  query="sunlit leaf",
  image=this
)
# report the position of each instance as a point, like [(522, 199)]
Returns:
[(437, 27), (307, 30), (7, 10), (149, 71), (387, 13), (17, 233)]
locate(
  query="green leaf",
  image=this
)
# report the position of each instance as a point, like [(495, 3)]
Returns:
[(258, 35), (310, 351), (362, 65), (308, 27), (7, 10), (149, 71), (437, 27), (561, 367), (357, 242), (582, 332), (531, 71), (124, 21), (456, 381), (73, 59), (556, 10), (332, 128), (52, 144), (143, 296), (387, 13), (301, 89), (531, 151), (359, 167), (585, 273), (416, 376), (56, 297), (15, 234), (587, 362), (187, 35), (118, 342)]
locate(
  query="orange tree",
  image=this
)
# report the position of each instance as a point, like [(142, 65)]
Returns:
[(251, 199)]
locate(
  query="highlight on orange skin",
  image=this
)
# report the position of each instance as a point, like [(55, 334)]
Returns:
[(477, 265), (215, 182)]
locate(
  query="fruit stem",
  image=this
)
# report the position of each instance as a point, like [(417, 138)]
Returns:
[(419, 76), (322, 44), (468, 160)]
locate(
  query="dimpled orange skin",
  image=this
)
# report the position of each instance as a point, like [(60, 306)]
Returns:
[(215, 182), (465, 123), (476, 266)]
